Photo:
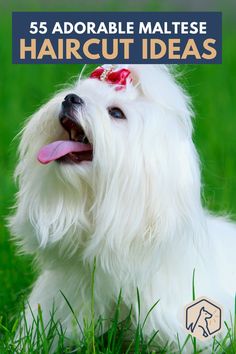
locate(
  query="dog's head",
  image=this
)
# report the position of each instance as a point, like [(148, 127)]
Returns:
[(108, 160)]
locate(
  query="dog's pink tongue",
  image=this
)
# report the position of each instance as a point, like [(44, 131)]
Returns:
[(57, 149)]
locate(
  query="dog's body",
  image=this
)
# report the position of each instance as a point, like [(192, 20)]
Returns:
[(136, 207)]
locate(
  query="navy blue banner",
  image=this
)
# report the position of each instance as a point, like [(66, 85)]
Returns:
[(116, 37)]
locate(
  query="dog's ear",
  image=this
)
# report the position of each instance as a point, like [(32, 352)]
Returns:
[(171, 161), (21, 223)]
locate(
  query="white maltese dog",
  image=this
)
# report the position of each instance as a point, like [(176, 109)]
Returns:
[(108, 171)]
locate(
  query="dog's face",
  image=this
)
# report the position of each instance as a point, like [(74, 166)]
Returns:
[(91, 127), (109, 163)]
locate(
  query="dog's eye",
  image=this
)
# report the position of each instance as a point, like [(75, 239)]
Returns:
[(116, 112)]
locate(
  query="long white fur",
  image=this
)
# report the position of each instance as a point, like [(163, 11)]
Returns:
[(136, 208)]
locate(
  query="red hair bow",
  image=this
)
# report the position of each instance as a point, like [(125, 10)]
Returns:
[(115, 77)]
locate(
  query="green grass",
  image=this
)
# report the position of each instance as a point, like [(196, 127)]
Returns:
[(25, 87), (120, 338)]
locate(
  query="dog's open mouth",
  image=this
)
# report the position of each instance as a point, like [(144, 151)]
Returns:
[(76, 149)]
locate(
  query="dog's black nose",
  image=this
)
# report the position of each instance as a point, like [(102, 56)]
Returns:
[(68, 109), (72, 98)]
